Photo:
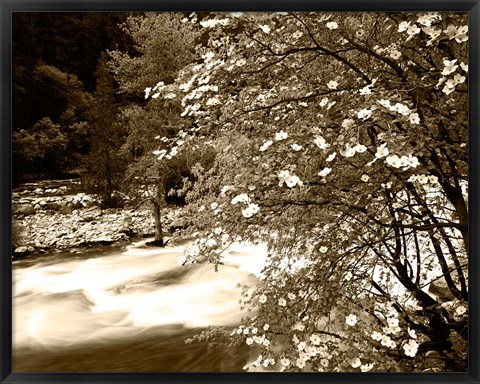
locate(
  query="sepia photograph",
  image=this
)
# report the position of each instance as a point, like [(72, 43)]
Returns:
[(240, 192)]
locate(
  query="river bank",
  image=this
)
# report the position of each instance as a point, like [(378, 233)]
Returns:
[(57, 217)]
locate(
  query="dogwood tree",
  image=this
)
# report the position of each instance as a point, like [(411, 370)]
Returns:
[(342, 144)]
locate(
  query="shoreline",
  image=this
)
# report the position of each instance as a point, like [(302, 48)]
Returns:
[(62, 221)]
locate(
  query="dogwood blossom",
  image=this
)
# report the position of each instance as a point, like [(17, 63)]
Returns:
[(321, 143), (355, 362), (324, 172), (332, 84), (351, 320), (411, 348), (266, 145), (281, 135), (251, 210), (332, 25)]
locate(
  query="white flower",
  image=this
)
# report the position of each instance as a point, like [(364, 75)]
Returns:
[(364, 114), (331, 157), (365, 178), (348, 152), (460, 310), (262, 299), (365, 91), (214, 206), (332, 25), (387, 341), (285, 362), (356, 362), (360, 148), (413, 30), (395, 54), (265, 28), (366, 367), (351, 320), (213, 101), (315, 339), (296, 147), (411, 348), (462, 34), (376, 336), (281, 135), (323, 102), (249, 341), (411, 333), (251, 210), (332, 84), (385, 103), (301, 346), (392, 322), (147, 92), (323, 249), (266, 326), (324, 172), (242, 198), (400, 108), (382, 151), (459, 78), (464, 66), (321, 143), (299, 326), (300, 363), (292, 181), (265, 145), (403, 26), (414, 118), (282, 302), (450, 67)]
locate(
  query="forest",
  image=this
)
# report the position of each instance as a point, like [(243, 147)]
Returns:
[(339, 140)]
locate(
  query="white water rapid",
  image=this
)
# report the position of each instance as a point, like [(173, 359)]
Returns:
[(72, 302)]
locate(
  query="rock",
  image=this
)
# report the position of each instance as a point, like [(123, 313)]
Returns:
[(88, 204), (30, 249), (20, 251), (66, 210), (25, 209), (54, 206), (76, 204), (38, 191), (43, 203), (102, 240), (439, 288)]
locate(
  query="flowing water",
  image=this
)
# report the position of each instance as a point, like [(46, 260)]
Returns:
[(127, 311)]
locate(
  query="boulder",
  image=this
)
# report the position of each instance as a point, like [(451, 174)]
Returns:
[(25, 209), (20, 251), (439, 288), (66, 210), (54, 206)]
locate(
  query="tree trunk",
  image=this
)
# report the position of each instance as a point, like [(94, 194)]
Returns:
[(158, 203)]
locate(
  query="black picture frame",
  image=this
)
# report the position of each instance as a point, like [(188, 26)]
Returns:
[(9, 6)]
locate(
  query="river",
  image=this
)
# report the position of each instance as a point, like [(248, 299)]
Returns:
[(127, 310)]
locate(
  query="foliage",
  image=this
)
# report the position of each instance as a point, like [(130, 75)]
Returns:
[(341, 142), (54, 56), (105, 166), (163, 46)]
